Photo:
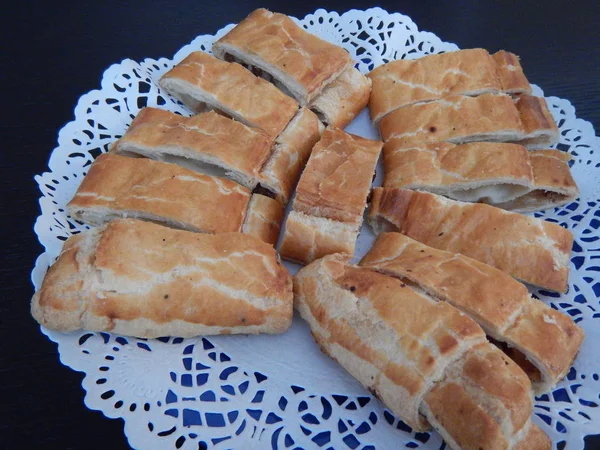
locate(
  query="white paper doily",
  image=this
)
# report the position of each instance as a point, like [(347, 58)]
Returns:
[(281, 392)]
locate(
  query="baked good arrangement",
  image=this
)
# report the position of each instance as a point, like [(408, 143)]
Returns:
[(188, 224)]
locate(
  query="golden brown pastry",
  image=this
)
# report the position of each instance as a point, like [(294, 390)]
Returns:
[(263, 218), (207, 142), (422, 358), (141, 279), (203, 82), (531, 250), (275, 47), (464, 72), (330, 197), (343, 100), (118, 186), (547, 340), (553, 183), (476, 172), (463, 119), (291, 151)]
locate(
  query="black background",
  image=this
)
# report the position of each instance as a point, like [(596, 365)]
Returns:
[(54, 53)]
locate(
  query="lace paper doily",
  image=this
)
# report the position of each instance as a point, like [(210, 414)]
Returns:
[(281, 392)]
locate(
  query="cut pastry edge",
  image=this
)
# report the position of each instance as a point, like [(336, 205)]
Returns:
[(308, 237), (283, 81), (342, 100), (201, 89), (199, 101), (263, 218), (196, 161)]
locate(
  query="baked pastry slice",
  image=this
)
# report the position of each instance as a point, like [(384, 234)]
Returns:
[(462, 119), (263, 218), (203, 82), (281, 171), (464, 72), (476, 172), (141, 279), (529, 249), (273, 46), (544, 341), (206, 142), (331, 196), (117, 186), (553, 183), (406, 348), (342, 100)]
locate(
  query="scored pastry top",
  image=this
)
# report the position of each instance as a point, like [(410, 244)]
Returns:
[(297, 59), (338, 176), (464, 72), (202, 78), (210, 137)]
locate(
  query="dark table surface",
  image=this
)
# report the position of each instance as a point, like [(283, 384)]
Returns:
[(53, 53)]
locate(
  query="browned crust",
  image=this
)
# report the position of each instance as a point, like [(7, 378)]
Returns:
[(142, 279), (484, 401), (404, 82), (277, 40), (529, 249), (159, 191), (391, 338), (510, 73), (307, 237), (232, 89), (264, 218), (344, 99), (454, 119), (290, 154), (442, 165), (553, 183), (535, 116), (501, 305), (211, 135), (336, 181)]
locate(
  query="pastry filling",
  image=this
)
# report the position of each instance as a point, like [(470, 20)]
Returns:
[(520, 359), (321, 116), (498, 193), (264, 191), (259, 73)]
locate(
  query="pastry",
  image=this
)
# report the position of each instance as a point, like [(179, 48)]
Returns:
[(273, 46), (531, 250), (203, 82), (464, 72), (463, 119), (475, 172), (141, 279), (553, 184), (343, 100), (546, 339), (207, 142), (331, 196), (418, 356), (282, 170)]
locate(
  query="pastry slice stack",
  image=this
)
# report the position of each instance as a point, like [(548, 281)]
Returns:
[(542, 340), (447, 121), (331, 197), (427, 361), (316, 73)]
